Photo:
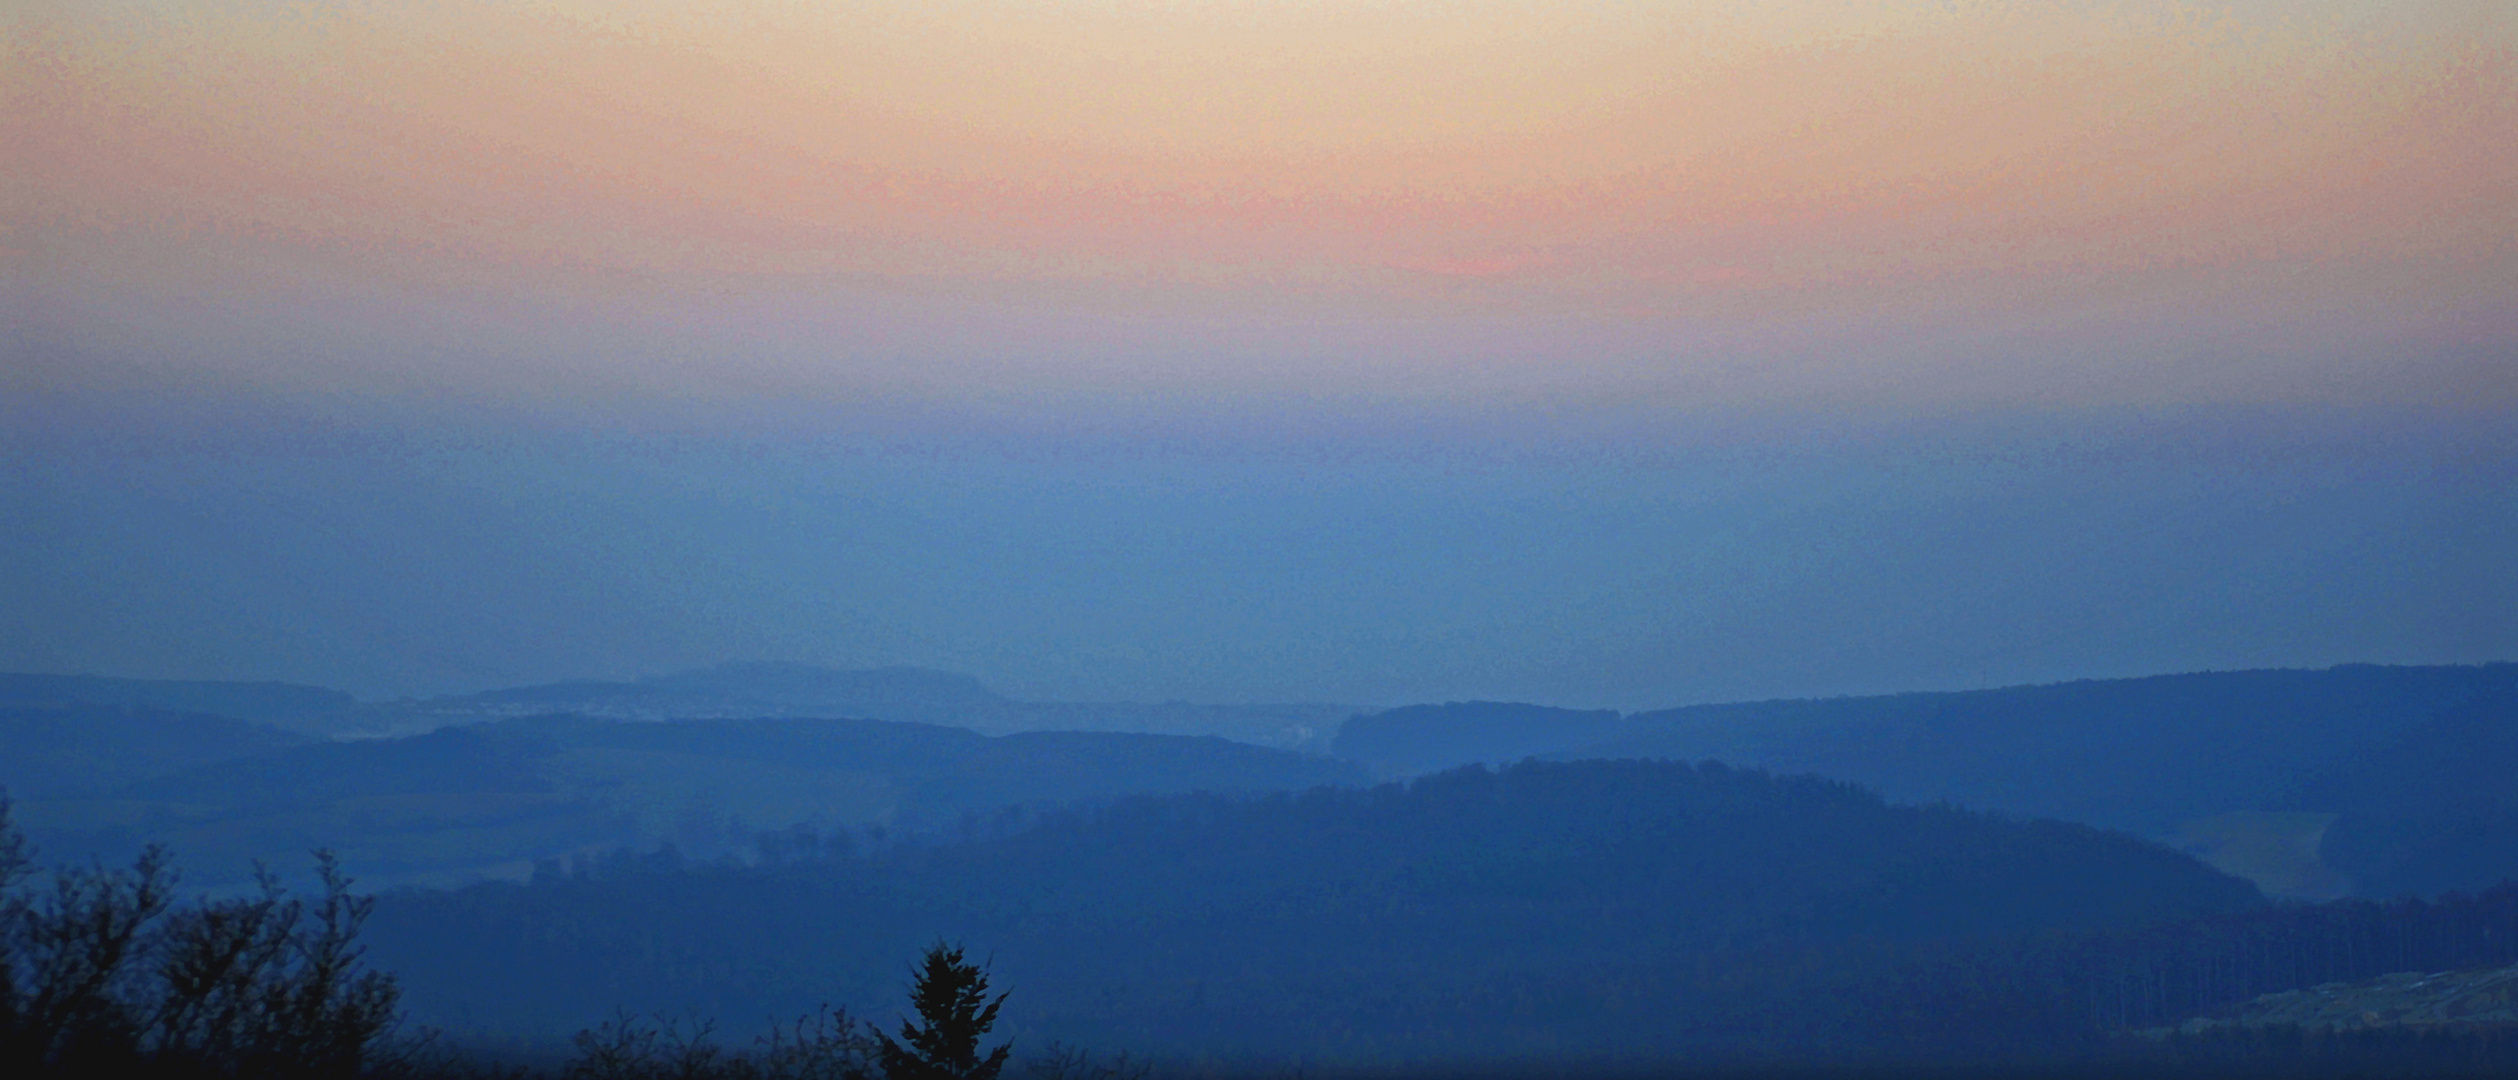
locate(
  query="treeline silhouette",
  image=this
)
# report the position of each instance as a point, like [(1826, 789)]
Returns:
[(1591, 908), (1564, 916), (104, 973)]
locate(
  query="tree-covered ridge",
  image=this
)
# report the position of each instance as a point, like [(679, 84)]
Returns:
[(1414, 739), (2432, 810), (2141, 754), (68, 751), (2404, 762), (1551, 916), (107, 972), (2251, 770), (493, 797), (1468, 913)]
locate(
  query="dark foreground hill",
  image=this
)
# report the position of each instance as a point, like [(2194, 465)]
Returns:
[(490, 799), (1595, 910)]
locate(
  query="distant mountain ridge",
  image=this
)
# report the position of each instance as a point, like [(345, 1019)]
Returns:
[(57, 751), (904, 694), (2140, 754), (725, 691), (488, 800), (756, 689), (1417, 739), (2150, 755), (2359, 779), (276, 703)]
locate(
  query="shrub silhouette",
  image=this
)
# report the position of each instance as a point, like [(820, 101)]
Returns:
[(954, 1013), (103, 973)]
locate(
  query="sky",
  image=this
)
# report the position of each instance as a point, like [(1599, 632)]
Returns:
[(1599, 353)]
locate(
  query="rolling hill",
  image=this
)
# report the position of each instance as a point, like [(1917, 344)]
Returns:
[(2314, 784), (491, 798), (1593, 907), (2199, 759), (57, 751), (909, 695), (2432, 810), (1416, 739)]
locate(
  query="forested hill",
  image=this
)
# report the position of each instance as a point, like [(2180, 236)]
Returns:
[(1416, 739), (2432, 810), (2249, 768), (55, 751), (2144, 754), (491, 798), (1599, 907)]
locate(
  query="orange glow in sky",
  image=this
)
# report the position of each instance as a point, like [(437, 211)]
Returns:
[(2083, 201)]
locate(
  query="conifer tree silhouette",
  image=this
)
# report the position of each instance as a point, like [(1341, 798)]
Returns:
[(954, 1012)]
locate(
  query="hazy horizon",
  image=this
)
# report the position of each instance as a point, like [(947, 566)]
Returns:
[(1316, 416), (1632, 563), (1589, 353)]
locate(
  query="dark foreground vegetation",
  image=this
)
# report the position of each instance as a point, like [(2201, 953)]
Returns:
[(703, 884), (105, 973), (1603, 918), (1592, 908), (1582, 915)]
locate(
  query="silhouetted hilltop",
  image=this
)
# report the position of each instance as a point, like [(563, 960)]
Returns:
[(1598, 908)]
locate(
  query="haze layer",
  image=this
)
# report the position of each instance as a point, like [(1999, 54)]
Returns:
[(1613, 353)]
